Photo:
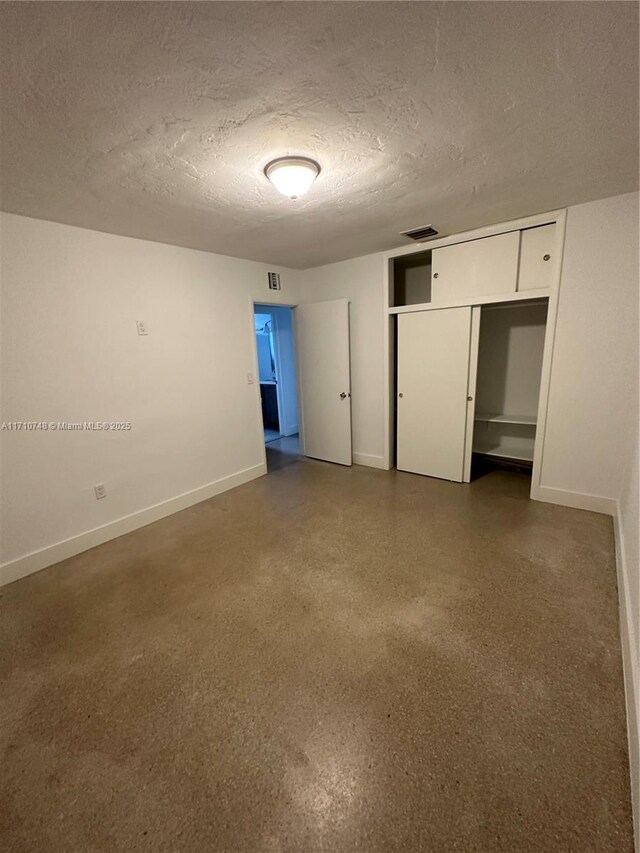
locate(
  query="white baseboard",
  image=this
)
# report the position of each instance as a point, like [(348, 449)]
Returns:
[(38, 560), (369, 460), (576, 500), (631, 669)]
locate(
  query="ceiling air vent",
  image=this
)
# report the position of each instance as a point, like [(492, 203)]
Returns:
[(420, 233), (274, 280)]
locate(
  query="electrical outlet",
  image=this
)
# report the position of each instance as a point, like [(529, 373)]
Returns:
[(100, 490), (143, 329)]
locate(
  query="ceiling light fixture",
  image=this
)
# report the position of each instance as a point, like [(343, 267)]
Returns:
[(292, 176)]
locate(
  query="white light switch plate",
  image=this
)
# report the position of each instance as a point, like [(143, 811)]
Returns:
[(142, 327), (250, 379)]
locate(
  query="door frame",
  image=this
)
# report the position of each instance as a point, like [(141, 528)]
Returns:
[(256, 371)]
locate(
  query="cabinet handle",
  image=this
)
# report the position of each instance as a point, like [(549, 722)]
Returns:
[(546, 257), (400, 395), (435, 275), (469, 399)]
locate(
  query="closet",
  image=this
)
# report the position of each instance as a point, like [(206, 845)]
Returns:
[(468, 382), (468, 376)]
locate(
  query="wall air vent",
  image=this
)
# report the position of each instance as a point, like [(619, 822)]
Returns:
[(420, 233), (274, 280)]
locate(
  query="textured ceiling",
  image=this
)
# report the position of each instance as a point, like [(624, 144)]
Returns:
[(155, 120)]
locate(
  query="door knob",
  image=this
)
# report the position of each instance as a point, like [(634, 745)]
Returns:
[(343, 395), (400, 395)]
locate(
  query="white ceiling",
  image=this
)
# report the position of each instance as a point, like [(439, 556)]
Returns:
[(155, 120)]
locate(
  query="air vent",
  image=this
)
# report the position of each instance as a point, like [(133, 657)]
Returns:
[(420, 233), (274, 280)]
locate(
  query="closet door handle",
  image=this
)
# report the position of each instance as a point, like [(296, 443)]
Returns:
[(469, 399)]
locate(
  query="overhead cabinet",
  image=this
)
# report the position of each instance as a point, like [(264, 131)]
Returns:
[(537, 250), (503, 265), (476, 268)]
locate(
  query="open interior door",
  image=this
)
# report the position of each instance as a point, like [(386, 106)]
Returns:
[(324, 380)]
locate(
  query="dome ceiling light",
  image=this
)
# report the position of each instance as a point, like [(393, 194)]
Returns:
[(292, 176)]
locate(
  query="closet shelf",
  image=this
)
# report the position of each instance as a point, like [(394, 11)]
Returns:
[(504, 451), (529, 420)]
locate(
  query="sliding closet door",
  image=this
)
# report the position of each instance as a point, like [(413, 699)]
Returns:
[(433, 375)]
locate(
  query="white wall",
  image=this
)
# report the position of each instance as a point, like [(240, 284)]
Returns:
[(510, 359), (360, 280), (595, 360), (70, 352)]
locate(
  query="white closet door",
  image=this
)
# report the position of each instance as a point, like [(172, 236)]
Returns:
[(433, 374), (324, 379), (476, 268)]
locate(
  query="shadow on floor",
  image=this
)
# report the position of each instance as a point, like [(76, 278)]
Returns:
[(282, 452)]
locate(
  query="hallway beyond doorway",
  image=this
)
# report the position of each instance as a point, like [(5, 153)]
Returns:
[(282, 451)]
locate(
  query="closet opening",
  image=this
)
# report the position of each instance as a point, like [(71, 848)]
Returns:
[(410, 279), (510, 353)]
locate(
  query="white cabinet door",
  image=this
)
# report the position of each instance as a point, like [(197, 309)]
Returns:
[(476, 268), (433, 374), (324, 380), (536, 257)]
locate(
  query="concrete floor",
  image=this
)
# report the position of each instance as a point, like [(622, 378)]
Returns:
[(325, 659)]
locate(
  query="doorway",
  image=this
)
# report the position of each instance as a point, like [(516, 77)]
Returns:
[(302, 359), (273, 326)]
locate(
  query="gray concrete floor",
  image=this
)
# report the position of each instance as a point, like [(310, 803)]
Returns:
[(325, 659)]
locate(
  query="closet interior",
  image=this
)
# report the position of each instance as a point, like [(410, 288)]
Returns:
[(510, 351), (411, 279)]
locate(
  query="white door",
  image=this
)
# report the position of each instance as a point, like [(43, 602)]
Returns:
[(433, 375), (324, 380)]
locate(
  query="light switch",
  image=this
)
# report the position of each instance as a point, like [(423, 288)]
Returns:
[(143, 329), (250, 379)]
